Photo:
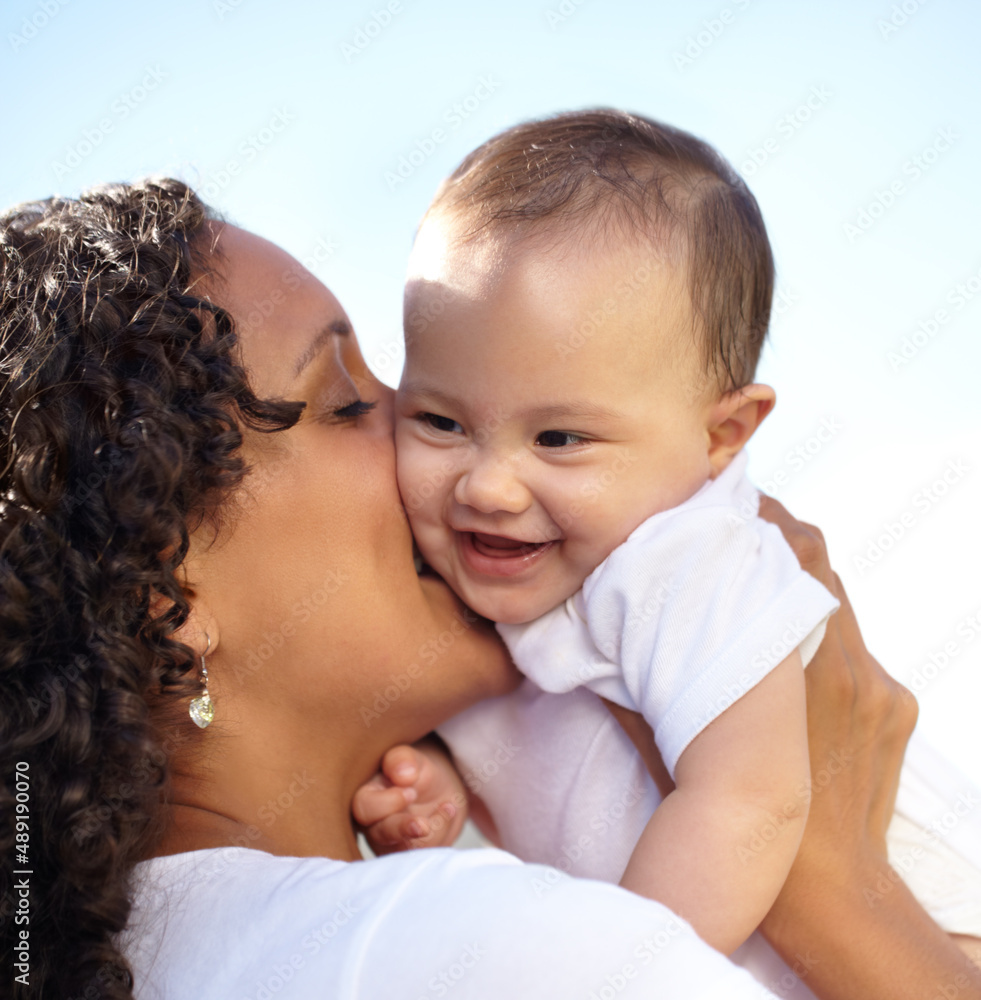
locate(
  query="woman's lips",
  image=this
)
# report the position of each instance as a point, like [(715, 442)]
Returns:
[(498, 555)]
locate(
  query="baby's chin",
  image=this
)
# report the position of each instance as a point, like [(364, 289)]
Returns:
[(507, 608), (498, 606), (514, 619), (503, 604)]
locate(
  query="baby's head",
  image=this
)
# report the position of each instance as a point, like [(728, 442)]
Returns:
[(586, 302)]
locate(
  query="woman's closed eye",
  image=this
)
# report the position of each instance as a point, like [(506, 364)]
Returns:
[(559, 439), (443, 424), (352, 410)]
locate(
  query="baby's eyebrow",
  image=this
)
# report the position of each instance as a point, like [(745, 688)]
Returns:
[(575, 408), (566, 410), (429, 391)]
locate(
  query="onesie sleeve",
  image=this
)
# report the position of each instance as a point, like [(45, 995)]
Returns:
[(696, 608)]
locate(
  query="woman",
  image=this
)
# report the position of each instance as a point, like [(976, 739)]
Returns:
[(200, 528)]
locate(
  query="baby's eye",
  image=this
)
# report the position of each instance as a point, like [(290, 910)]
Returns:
[(558, 439), (439, 423)]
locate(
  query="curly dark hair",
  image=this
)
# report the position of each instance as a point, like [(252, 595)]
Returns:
[(122, 410)]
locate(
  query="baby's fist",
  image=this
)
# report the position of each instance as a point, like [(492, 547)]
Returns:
[(415, 800)]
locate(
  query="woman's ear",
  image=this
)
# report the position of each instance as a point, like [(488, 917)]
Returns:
[(733, 420), (199, 632)]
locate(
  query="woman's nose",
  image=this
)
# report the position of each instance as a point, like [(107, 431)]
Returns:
[(491, 485)]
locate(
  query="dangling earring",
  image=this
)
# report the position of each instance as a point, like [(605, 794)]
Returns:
[(202, 710)]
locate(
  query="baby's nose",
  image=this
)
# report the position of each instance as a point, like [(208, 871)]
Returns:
[(492, 485)]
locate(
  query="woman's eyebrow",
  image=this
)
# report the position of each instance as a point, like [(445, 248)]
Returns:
[(339, 327)]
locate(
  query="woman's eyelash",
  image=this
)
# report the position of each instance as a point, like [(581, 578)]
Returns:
[(356, 409)]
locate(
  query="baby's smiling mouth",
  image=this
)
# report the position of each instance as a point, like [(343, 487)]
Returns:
[(502, 547), (500, 556)]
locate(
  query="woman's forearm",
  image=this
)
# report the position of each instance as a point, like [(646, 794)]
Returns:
[(844, 920), (866, 938)]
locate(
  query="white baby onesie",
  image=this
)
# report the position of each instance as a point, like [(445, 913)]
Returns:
[(693, 610)]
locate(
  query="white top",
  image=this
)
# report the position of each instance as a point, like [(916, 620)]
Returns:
[(567, 788), (562, 780), (698, 605), (239, 924)]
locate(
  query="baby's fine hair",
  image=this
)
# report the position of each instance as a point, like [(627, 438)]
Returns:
[(606, 167)]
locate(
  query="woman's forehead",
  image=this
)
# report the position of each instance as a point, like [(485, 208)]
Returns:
[(279, 307)]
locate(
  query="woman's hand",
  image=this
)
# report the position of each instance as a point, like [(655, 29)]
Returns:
[(859, 719), (844, 920)]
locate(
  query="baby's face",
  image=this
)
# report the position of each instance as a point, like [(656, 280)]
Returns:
[(552, 400)]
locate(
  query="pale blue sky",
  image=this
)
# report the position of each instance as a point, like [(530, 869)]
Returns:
[(311, 105)]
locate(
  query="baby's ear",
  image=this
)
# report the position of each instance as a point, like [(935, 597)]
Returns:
[(733, 421)]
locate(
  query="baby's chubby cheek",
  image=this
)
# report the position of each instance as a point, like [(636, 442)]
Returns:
[(406, 473), (416, 486)]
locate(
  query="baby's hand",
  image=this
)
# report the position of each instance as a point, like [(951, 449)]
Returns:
[(416, 799)]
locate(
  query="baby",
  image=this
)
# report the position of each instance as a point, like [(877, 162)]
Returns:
[(586, 303)]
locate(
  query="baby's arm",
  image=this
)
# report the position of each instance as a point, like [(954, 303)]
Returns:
[(719, 847)]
